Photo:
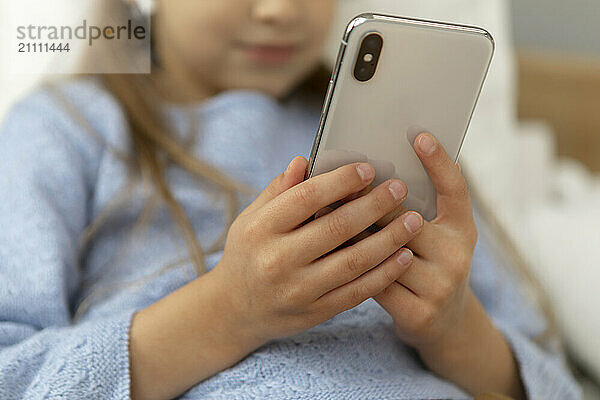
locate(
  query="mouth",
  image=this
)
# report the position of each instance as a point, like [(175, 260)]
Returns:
[(269, 53)]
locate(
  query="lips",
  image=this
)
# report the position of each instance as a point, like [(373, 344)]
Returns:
[(270, 53)]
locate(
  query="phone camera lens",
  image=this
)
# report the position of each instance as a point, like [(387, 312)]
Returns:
[(368, 57), (371, 42)]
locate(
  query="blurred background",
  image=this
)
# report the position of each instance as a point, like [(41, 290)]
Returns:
[(533, 148), (557, 47), (559, 69)]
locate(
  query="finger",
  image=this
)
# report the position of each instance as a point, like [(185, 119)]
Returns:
[(367, 285), (389, 217), (400, 302), (347, 199), (361, 236), (328, 232), (452, 192), (293, 175), (294, 206), (381, 223), (345, 265), (427, 243), (356, 195), (419, 278)]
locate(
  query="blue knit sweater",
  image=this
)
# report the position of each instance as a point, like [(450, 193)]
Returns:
[(58, 173)]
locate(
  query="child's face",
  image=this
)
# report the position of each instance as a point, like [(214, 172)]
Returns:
[(268, 45)]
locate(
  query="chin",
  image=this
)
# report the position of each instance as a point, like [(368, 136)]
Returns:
[(275, 89)]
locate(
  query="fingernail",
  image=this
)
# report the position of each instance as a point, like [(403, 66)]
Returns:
[(412, 222), (405, 257), (365, 171), (398, 190), (426, 144)]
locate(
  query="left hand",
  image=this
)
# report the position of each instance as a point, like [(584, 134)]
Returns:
[(429, 302)]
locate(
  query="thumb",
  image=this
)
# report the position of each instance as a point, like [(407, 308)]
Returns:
[(293, 175)]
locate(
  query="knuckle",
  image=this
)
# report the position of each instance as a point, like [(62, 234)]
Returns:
[(458, 268), (426, 321), (380, 203), (306, 193), (390, 275), (339, 224), (251, 228), (397, 235), (460, 190), (360, 293), (354, 261), (270, 265), (293, 295)]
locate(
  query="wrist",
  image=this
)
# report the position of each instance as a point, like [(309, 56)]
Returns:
[(184, 338), (237, 326), (475, 355), (472, 325)]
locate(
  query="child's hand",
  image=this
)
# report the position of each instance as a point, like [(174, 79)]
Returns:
[(432, 305), (277, 275), (429, 300)]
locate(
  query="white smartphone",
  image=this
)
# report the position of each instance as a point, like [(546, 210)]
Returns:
[(395, 78)]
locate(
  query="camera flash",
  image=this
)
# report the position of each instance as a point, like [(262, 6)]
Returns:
[(368, 57)]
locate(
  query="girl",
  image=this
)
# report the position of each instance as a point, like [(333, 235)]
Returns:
[(280, 307)]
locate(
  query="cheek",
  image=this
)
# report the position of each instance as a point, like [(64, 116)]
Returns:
[(207, 52), (201, 33)]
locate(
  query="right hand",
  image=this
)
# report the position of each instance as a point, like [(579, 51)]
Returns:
[(281, 277)]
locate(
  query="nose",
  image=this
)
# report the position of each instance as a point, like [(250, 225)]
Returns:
[(277, 12)]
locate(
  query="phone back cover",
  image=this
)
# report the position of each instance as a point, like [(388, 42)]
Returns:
[(428, 79)]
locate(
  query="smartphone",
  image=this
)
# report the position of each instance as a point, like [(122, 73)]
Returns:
[(394, 78)]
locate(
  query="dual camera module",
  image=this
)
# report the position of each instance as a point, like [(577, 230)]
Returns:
[(368, 57)]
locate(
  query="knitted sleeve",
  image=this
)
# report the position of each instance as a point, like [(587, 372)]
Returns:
[(44, 195)]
